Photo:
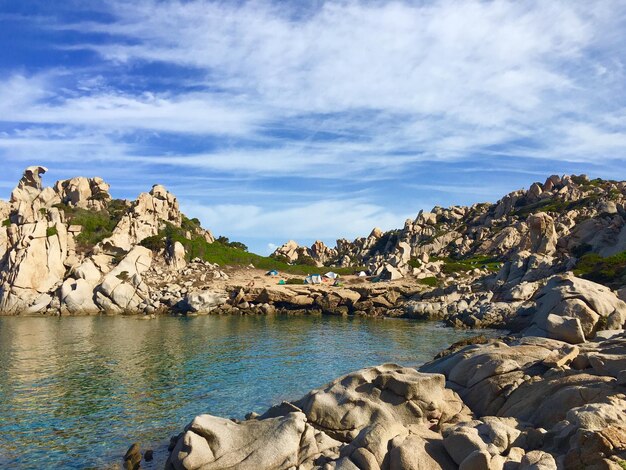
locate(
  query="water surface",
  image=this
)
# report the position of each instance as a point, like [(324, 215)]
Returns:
[(76, 391)]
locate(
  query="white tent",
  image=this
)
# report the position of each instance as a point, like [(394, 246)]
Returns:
[(331, 275), (313, 279), (362, 274)]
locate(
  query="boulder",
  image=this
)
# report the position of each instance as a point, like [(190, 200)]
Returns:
[(203, 301), (122, 289), (580, 304), (269, 444), (388, 393)]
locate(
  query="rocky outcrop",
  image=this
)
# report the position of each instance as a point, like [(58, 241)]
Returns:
[(524, 402), (372, 418), (86, 193), (573, 309), (41, 267), (144, 219), (548, 398), (553, 222)]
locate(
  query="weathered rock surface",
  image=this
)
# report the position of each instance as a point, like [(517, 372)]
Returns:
[(533, 403)]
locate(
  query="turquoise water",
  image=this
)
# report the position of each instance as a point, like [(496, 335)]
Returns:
[(75, 392)]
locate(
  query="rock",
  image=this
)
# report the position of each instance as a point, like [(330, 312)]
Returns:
[(148, 455), (132, 458), (537, 460), (77, 298), (582, 303), (122, 289), (203, 301), (273, 443), (176, 255), (390, 273), (542, 234), (566, 329), (344, 407)]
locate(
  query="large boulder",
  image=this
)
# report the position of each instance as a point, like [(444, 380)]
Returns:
[(384, 394), (34, 265), (543, 237), (203, 301), (122, 289), (573, 309), (85, 193), (278, 443)]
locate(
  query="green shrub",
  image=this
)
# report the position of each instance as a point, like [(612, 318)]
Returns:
[(154, 243), (280, 258), (610, 271), (6, 223), (305, 260), (429, 281), (294, 280), (51, 231), (415, 263), (96, 225), (452, 266)]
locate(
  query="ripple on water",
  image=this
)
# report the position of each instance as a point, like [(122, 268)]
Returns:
[(74, 392)]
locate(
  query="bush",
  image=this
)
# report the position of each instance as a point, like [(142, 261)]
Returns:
[(305, 261), (6, 223), (294, 280), (96, 225), (415, 263), (51, 231), (155, 243), (429, 281), (610, 271)]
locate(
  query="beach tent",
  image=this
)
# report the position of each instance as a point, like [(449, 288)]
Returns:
[(331, 275), (362, 274), (313, 279), (282, 282), (273, 272)]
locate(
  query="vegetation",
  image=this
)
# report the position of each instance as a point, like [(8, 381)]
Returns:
[(96, 225), (429, 281), (6, 223), (295, 280), (51, 231), (225, 241), (227, 253), (452, 266), (553, 204), (610, 271), (415, 263)]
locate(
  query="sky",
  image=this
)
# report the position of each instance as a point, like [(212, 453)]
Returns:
[(278, 120)]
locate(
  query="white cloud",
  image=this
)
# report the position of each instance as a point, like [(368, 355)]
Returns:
[(321, 218)]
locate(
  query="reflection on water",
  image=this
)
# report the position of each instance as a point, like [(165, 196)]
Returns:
[(74, 392)]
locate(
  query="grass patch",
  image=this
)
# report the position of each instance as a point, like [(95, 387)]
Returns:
[(452, 266), (429, 281), (553, 205), (609, 271), (51, 231), (295, 281)]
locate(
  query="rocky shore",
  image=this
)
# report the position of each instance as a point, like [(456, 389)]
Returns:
[(552, 396)]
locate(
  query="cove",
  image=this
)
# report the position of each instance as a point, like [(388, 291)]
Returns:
[(76, 391)]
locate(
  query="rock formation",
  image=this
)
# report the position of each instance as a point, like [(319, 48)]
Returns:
[(47, 264)]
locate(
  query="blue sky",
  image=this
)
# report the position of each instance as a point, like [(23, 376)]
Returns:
[(275, 120)]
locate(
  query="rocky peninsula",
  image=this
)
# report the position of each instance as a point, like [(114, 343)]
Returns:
[(547, 264)]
